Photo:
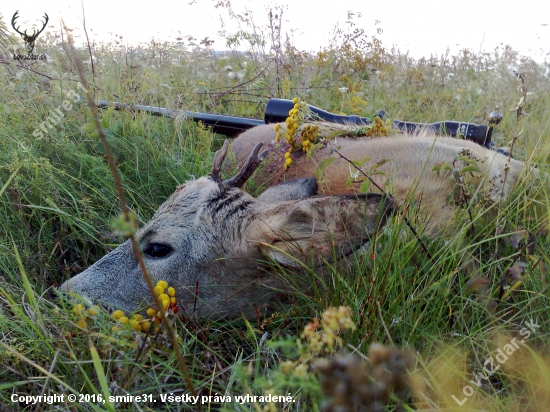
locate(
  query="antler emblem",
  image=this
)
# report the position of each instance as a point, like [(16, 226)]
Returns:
[(29, 39)]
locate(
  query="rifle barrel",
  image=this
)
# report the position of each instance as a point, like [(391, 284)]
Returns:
[(226, 125), (277, 111)]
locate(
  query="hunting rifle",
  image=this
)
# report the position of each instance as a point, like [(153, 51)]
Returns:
[(277, 110)]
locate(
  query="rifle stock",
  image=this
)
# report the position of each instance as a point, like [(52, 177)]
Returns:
[(277, 111)]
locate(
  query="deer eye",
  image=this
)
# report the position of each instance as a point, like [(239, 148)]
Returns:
[(157, 250)]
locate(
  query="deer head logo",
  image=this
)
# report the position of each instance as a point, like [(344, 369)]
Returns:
[(29, 39)]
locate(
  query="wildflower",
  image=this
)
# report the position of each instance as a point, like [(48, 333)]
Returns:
[(136, 322), (378, 128), (301, 370), (145, 326), (135, 325), (117, 314), (93, 310), (167, 296), (309, 135), (79, 310), (333, 320), (287, 367), (84, 315)]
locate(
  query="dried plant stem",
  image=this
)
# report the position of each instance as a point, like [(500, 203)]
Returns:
[(407, 222), (124, 207), (519, 113)]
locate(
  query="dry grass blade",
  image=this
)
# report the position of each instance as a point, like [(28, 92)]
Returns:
[(124, 206)]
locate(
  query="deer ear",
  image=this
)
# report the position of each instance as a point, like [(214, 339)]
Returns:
[(322, 226), (292, 190)]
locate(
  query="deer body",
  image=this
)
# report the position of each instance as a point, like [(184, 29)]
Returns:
[(408, 170), (210, 239)]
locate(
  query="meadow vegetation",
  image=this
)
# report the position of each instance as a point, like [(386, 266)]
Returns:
[(403, 331)]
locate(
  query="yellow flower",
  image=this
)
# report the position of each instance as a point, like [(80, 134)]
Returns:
[(135, 325), (152, 312), (301, 371), (163, 284), (79, 309), (94, 310), (117, 314), (123, 320), (145, 326), (171, 291), (288, 161), (287, 367)]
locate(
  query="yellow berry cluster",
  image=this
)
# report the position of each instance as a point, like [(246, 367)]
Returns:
[(293, 121), (136, 322), (333, 320), (167, 296), (378, 128), (310, 134), (85, 315)]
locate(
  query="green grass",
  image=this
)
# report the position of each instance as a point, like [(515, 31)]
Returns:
[(57, 200)]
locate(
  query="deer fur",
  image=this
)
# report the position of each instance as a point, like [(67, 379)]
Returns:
[(220, 240), (212, 241), (408, 171)]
